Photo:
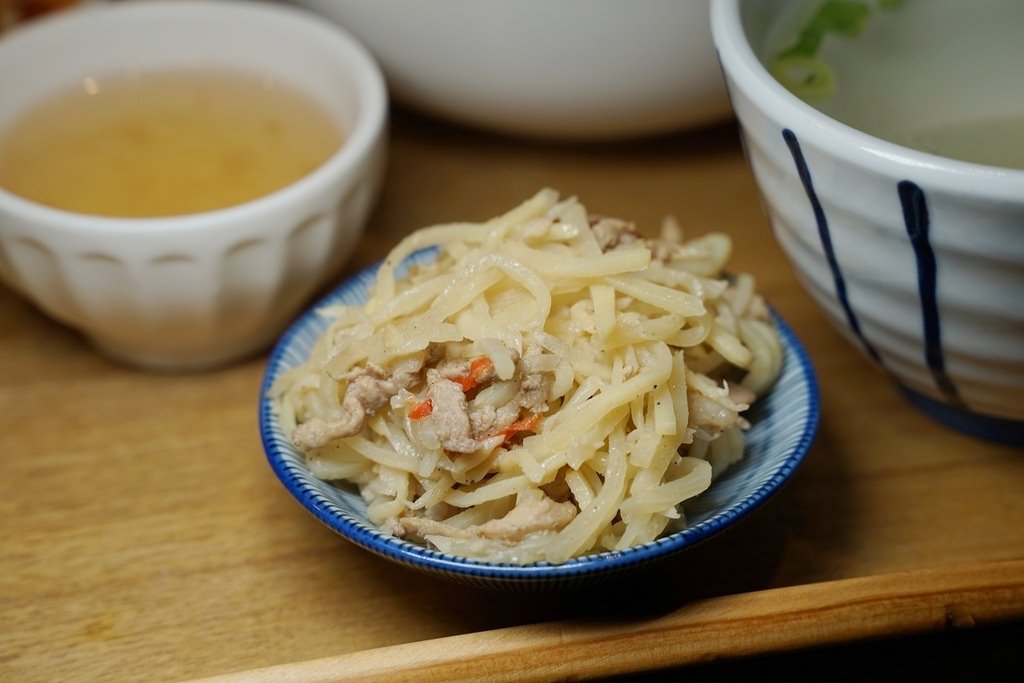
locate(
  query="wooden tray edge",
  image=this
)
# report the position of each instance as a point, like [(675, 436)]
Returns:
[(960, 596)]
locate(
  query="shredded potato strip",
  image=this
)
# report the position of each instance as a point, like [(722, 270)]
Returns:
[(428, 237), (548, 452), (566, 265), (461, 292), (663, 297), (584, 529)]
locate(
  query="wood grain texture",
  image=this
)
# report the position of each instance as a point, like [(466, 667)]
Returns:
[(729, 626), (145, 538)]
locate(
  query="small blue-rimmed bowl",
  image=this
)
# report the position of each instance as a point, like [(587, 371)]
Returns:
[(784, 424)]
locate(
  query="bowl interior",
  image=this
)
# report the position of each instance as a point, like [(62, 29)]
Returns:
[(887, 110), (273, 42), (784, 424)]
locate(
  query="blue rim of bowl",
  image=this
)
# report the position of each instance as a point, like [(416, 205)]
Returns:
[(368, 537)]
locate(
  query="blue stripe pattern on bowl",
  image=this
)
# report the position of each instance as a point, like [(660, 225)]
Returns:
[(951, 410)]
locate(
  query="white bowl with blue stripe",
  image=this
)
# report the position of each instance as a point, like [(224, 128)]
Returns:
[(918, 260), (784, 425)]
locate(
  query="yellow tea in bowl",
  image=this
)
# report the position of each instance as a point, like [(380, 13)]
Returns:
[(165, 143)]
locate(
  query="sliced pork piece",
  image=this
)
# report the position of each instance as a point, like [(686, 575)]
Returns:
[(534, 392), (369, 389), (469, 373), (423, 527), (612, 233), (740, 395), (532, 397), (710, 415), (450, 413), (533, 512), (758, 309), (488, 420)]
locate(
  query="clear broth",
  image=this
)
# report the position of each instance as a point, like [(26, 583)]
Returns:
[(165, 144), (941, 76)]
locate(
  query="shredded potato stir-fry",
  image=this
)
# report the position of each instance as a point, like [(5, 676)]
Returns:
[(553, 384)]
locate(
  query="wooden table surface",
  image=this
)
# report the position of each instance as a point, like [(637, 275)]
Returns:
[(144, 537)]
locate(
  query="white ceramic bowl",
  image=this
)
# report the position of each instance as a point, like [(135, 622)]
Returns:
[(202, 289), (917, 259), (566, 69)]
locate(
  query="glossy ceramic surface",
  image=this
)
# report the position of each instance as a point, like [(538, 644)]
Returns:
[(916, 259), (569, 69)]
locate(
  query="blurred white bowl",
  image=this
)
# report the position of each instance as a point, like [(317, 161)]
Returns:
[(202, 289), (566, 69), (917, 259)]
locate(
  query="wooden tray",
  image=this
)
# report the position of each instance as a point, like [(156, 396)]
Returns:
[(145, 538)]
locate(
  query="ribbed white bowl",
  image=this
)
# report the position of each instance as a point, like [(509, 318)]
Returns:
[(203, 289)]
